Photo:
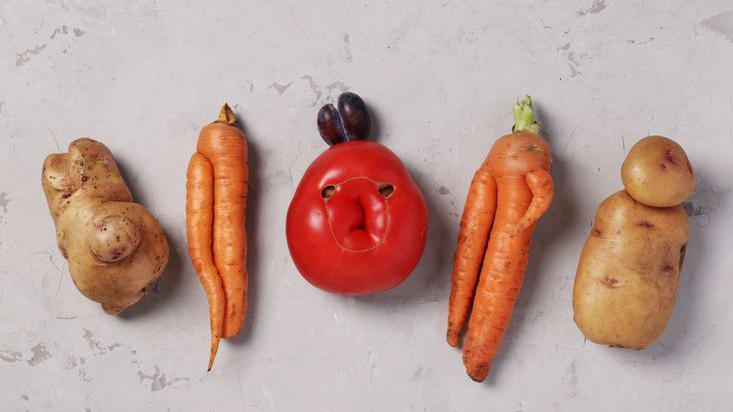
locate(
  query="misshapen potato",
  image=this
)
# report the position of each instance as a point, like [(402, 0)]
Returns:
[(629, 268), (627, 277), (115, 248)]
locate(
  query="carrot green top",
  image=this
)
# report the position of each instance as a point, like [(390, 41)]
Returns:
[(524, 116)]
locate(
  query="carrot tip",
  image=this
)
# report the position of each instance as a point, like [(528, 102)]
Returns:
[(214, 349), (452, 338), (478, 373)]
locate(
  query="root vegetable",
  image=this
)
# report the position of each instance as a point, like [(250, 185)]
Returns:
[(216, 202), (629, 268), (511, 190)]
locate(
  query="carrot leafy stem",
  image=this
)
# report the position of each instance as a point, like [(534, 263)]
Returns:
[(524, 116)]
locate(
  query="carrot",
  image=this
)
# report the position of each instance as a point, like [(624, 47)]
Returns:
[(215, 215), (519, 164), (473, 236), (199, 223)]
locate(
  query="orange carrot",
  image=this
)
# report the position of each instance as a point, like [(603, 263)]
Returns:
[(216, 206), (199, 223), (519, 164), (472, 238)]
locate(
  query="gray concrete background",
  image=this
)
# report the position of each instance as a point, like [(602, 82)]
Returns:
[(440, 77)]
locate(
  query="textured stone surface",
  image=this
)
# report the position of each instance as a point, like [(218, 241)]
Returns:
[(440, 77)]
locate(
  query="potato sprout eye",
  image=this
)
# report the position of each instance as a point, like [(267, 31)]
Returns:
[(385, 189), (328, 191)]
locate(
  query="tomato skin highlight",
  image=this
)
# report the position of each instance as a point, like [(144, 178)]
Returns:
[(357, 223)]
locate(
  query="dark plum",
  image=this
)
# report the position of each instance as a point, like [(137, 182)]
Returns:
[(355, 116), (330, 125)]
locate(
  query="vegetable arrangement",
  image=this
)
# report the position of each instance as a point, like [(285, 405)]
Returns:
[(509, 193), (216, 202), (115, 247), (629, 268), (357, 223)]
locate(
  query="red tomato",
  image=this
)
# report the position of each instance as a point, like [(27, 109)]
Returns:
[(358, 222)]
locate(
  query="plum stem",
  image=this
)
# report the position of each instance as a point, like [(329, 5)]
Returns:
[(524, 116)]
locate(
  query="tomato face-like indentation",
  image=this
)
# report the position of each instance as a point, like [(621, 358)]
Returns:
[(357, 214)]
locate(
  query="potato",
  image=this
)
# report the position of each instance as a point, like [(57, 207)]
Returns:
[(628, 272), (115, 248), (656, 172)]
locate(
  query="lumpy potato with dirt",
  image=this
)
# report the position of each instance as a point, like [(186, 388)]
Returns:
[(115, 248), (629, 269)]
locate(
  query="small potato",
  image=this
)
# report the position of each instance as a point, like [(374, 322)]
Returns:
[(656, 172), (628, 272)]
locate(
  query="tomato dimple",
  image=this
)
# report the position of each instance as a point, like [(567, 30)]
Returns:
[(357, 214)]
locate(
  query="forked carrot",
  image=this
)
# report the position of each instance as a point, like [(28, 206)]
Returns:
[(216, 202), (499, 217)]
